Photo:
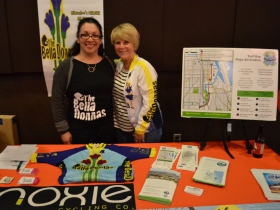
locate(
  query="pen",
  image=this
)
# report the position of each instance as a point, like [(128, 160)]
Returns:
[(19, 165)]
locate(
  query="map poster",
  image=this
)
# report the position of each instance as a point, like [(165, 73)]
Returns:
[(230, 83)]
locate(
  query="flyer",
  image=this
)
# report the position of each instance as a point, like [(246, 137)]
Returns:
[(212, 171)]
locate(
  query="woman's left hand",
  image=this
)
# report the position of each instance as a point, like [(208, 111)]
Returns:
[(139, 138)]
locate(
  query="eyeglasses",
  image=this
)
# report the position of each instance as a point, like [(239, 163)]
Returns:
[(93, 36)]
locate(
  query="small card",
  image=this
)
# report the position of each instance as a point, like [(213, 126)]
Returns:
[(29, 171), (6, 180), (28, 180), (193, 190)]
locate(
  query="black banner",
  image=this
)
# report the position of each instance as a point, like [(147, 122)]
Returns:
[(117, 196)]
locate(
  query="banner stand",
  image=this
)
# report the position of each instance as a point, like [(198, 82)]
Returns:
[(208, 124)]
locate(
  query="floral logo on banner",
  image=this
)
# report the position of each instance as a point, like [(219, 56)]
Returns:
[(53, 47)]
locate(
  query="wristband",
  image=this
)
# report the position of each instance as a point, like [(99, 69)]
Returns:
[(63, 132)]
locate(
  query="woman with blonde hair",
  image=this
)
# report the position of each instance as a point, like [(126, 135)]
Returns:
[(137, 115)]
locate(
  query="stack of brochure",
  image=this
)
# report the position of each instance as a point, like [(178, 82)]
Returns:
[(16, 157), (269, 180), (160, 186), (166, 157), (211, 171), (188, 159)]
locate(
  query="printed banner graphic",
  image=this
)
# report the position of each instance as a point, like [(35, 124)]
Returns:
[(58, 21), (119, 196)]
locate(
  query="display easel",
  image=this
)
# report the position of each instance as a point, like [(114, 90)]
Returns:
[(208, 124)]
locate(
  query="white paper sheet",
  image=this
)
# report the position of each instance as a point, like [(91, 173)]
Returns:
[(11, 156), (24, 152)]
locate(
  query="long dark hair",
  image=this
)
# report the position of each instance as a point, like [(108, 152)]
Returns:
[(75, 49)]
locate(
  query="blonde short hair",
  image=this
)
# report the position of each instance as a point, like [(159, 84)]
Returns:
[(128, 32)]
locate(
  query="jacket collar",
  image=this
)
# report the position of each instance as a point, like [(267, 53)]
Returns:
[(133, 62)]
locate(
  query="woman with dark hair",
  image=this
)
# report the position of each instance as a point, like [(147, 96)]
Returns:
[(86, 78)]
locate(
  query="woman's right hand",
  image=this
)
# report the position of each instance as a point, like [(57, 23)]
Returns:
[(66, 138), (138, 138)]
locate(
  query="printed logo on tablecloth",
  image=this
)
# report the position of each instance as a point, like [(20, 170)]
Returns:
[(120, 196)]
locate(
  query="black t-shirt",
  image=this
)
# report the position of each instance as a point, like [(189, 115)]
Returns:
[(90, 93)]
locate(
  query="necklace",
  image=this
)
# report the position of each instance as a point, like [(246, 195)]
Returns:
[(91, 68)]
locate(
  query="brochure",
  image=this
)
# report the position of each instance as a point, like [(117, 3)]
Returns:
[(212, 171), (160, 186), (189, 158), (269, 181), (272, 181), (166, 157)]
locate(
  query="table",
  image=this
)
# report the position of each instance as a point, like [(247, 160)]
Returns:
[(241, 187)]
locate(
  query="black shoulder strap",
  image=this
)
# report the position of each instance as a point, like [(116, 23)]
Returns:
[(111, 62)]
